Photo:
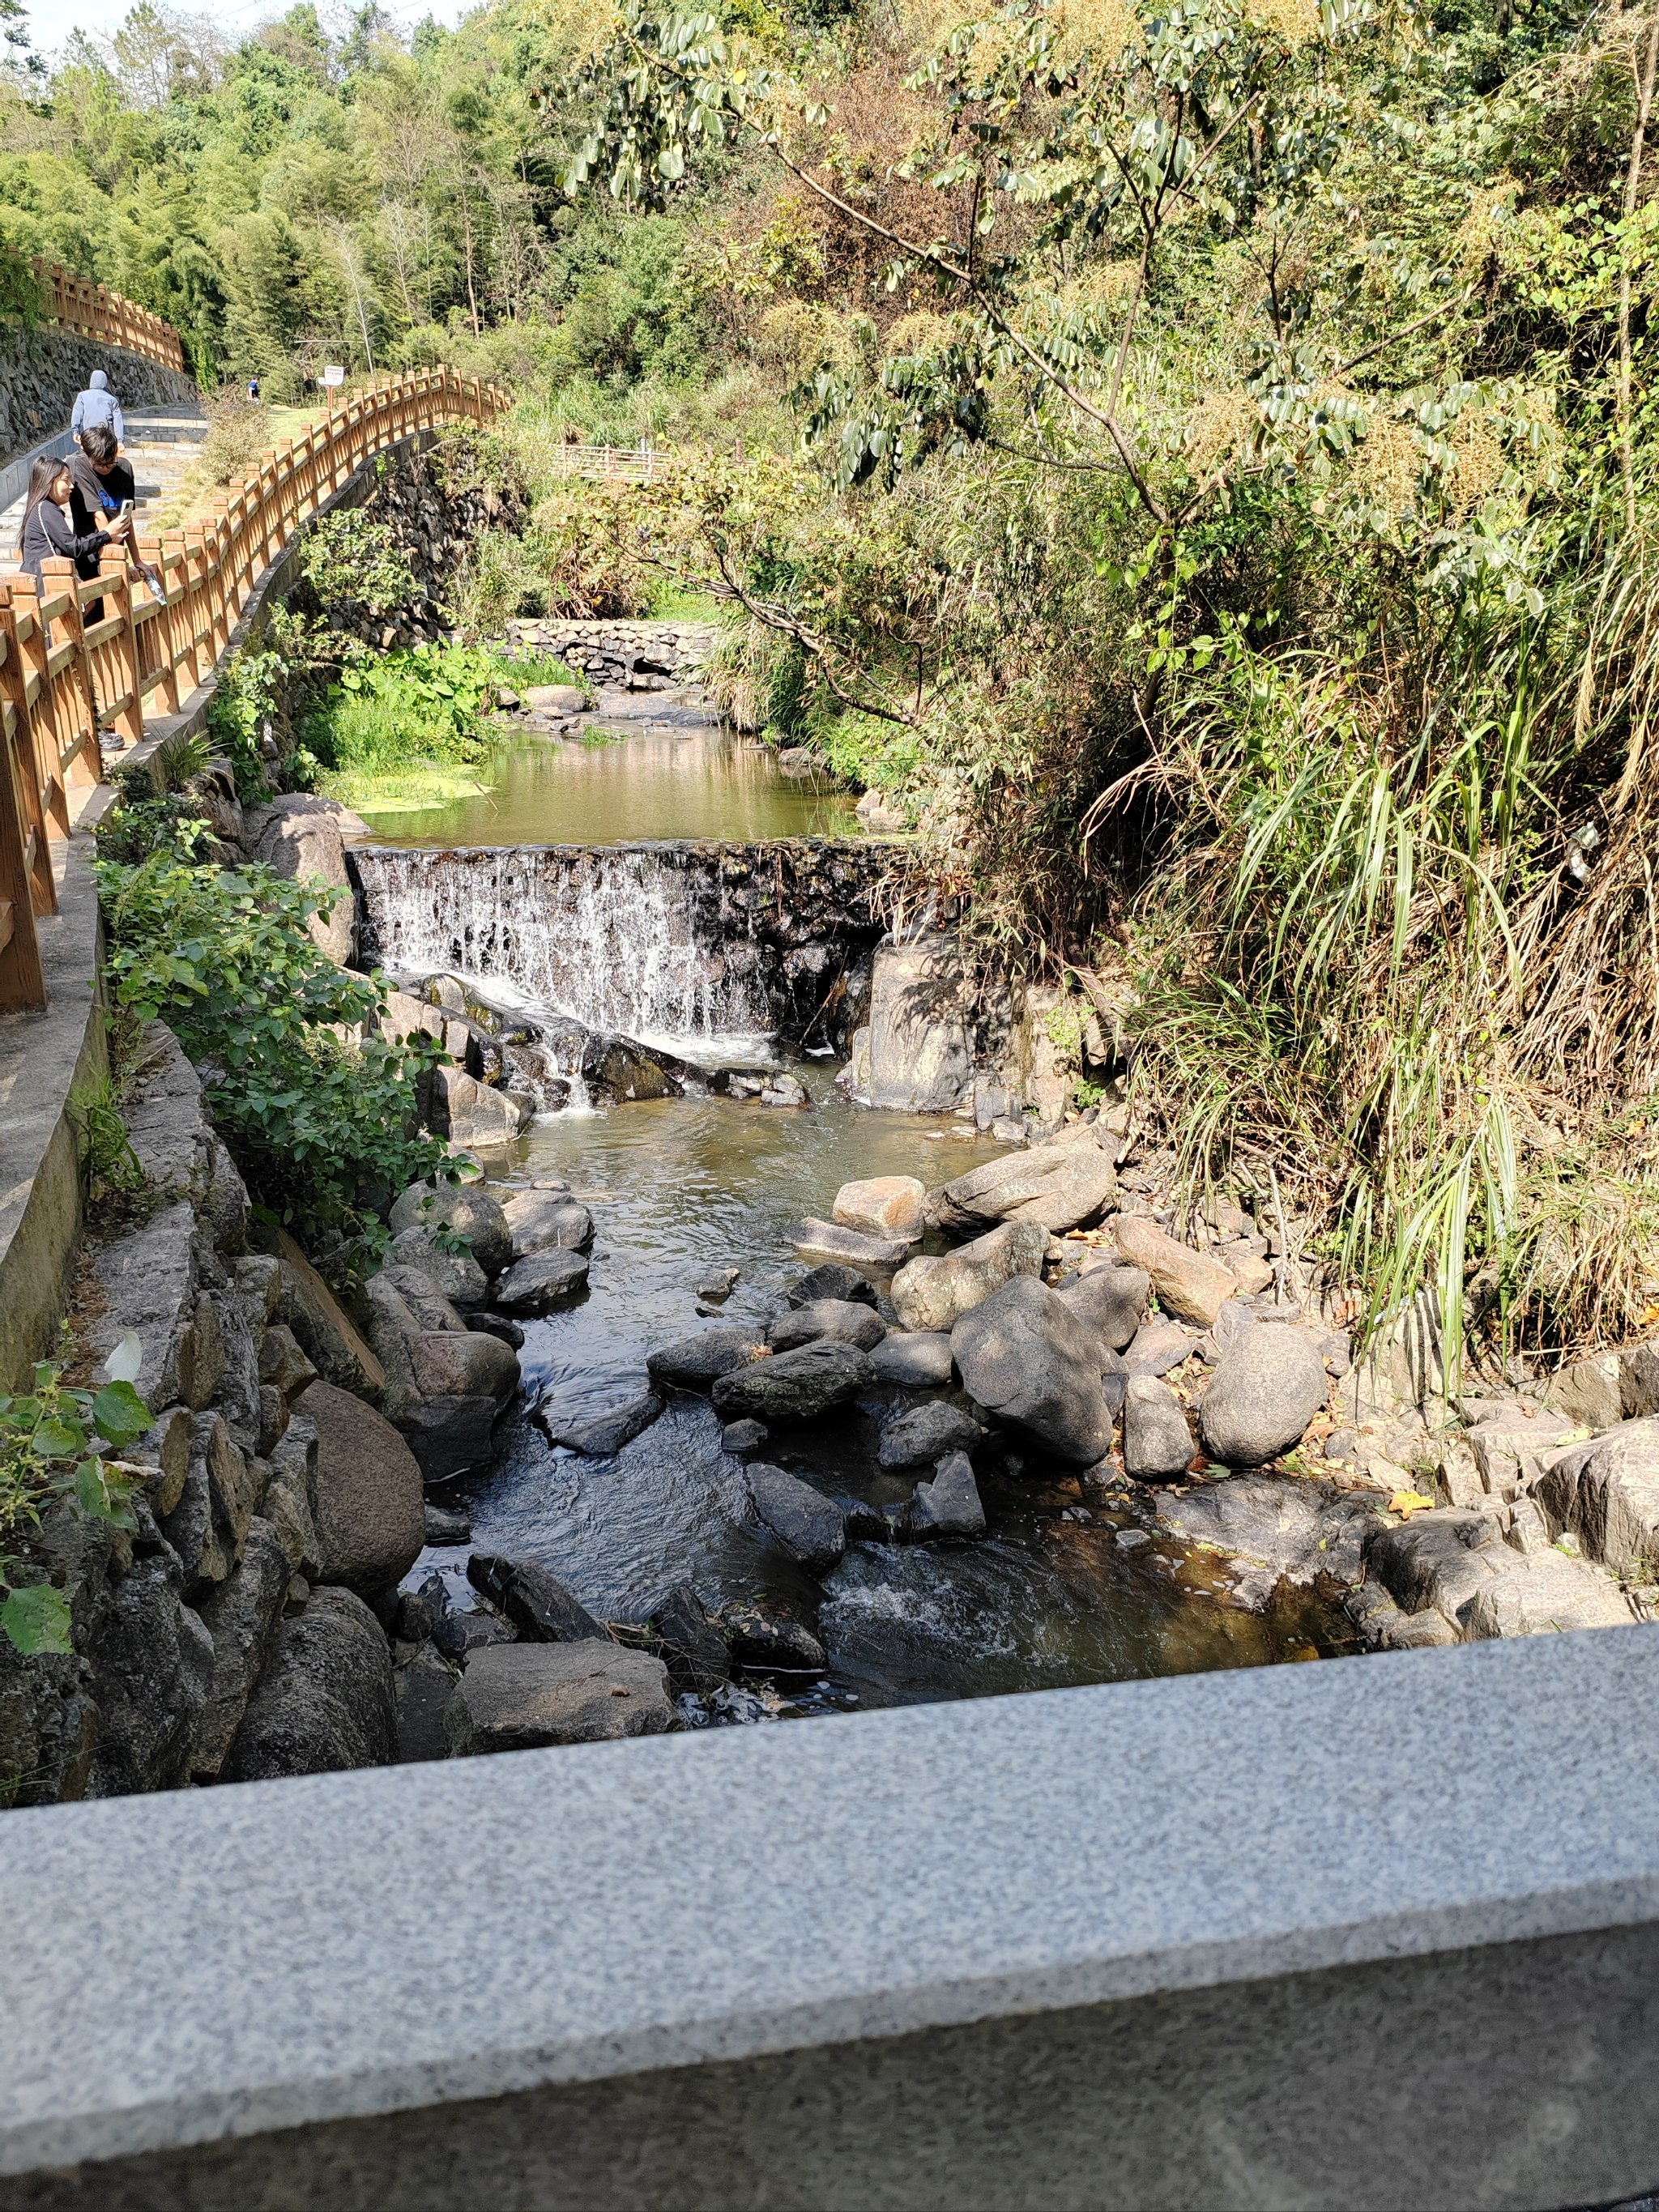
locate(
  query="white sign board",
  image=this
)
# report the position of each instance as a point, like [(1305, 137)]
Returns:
[(333, 374)]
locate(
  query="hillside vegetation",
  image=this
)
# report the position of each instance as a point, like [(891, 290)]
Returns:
[(1199, 462)]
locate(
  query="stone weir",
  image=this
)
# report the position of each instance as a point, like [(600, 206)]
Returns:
[(692, 941)]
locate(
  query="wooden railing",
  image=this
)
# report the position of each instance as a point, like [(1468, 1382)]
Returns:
[(97, 312), (78, 654)]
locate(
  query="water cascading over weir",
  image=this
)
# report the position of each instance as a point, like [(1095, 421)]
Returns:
[(695, 942)]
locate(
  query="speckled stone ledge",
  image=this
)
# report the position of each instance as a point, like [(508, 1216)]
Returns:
[(223, 1963)]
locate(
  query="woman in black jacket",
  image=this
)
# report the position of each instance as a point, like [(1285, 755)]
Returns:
[(48, 534)]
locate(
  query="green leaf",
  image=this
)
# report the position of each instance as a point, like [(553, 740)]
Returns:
[(58, 1439), (37, 1619), (120, 1414)]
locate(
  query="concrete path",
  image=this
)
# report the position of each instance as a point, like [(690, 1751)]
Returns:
[(161, 443)]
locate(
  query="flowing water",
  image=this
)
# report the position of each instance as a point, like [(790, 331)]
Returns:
[(1051, 1594), (701, 952)]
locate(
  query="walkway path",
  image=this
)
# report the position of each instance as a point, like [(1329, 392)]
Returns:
[(161, 443)]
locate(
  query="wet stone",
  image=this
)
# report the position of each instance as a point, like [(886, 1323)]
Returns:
[(913, 1358), (804, 1521), (739, 1437), (832, 1280), (599, 1434), (846, 1321), (922, 1434), (767, 1639), (536, 1602)]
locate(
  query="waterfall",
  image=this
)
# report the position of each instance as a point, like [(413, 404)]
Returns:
[(629, 937)]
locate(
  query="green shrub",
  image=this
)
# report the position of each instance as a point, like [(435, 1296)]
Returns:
[(323, 1130), (349, 557)]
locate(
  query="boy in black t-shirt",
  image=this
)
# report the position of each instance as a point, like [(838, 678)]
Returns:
[(103, 482)]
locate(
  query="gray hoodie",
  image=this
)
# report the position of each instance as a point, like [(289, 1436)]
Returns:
[(98, 403)]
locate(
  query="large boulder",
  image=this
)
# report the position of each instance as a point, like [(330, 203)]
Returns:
[(325, 1702), (692, 1646), (832, 1280), (600, 1431), (1266, 1387), (1157, 1444), (804, 1521), (1607, 1493), (304, 834), (370, 1513), (1188, 1283), (466, 1210), (949, 1505), (794, 1386), (1024, 1354), (536, 1603), (827, 1240), (541, 1281), (844, 1319), (1288, 1530), (330, 1339), (914, 1358), (453, 1268), (923, 1434), (884, 1205), (619, 1068), (696, 1362), (1110, 1300), (149, 1667), (473, 1114), (933, 1293), (1059, 1185), (917, 1055), (517, 1697), (540, 1220)]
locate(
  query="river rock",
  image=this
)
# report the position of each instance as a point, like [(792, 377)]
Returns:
[(1291, 1530), (421, 1689), (781, 1090), (916, 1056), (804, 1521), (443, 1528), (541, 1281), (472, 1113), (498, 1326), (739, 1437), (1159, 1345), (696, 1362), (933, 1293), (1188, 1283), (922, 1434), (326, 1703), (1157, 1444), (950, 1504), (370, 1511), (538, 1603), (599, 1434), (1022, 1353), (1060, 1184), (885, 1206), (827, 1240), (914, 1358), (456, 1274), (1606, 1492), (540, 1220), (1266, 1390), (331, 1340), (518, 1697), (843, 1319), (693, 1647), (302, 835), (1110, 1300), (832, 1280), (765, 1637), (620, 1068), (555, 698), (795, 1386), (466, 1210)]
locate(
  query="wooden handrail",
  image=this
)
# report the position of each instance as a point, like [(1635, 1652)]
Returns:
[(81, 653), (76, 303)]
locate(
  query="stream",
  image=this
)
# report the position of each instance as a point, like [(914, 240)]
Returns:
[(550, 891)]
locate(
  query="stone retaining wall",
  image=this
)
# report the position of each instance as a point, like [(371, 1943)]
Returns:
[(42, 370), (613, 652)]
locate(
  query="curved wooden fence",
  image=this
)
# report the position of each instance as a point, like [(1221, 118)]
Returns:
[(94, 312), (81, 653)]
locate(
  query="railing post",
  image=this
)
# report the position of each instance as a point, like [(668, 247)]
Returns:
[(17, 735), (46, 718), (22, 985), (78, 760), (159, 555), (126, 705)]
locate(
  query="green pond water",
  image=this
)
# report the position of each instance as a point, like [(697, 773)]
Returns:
[(622, 781)]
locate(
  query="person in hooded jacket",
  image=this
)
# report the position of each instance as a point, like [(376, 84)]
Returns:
[(98, 403)]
